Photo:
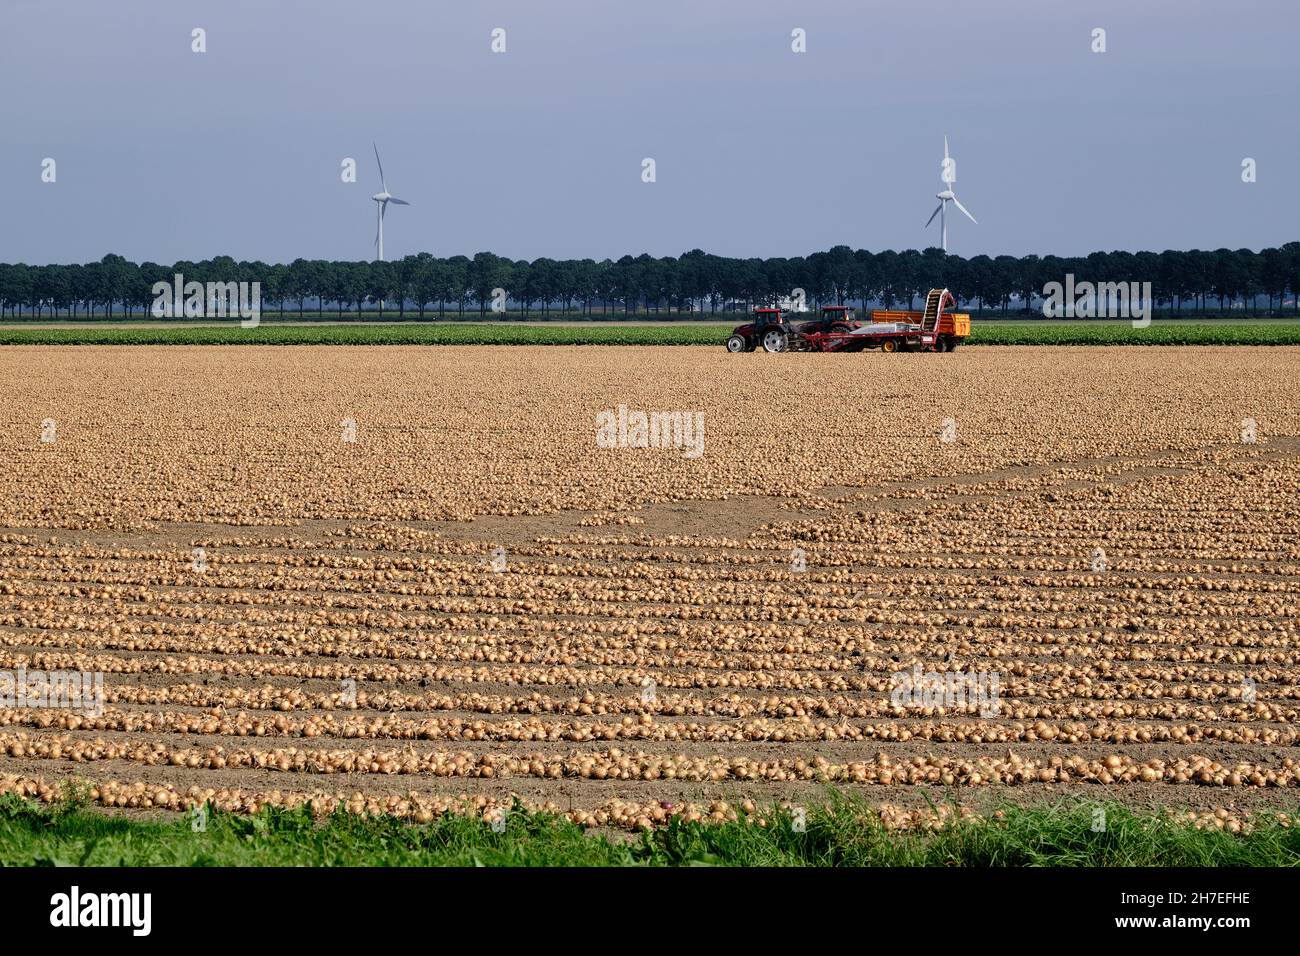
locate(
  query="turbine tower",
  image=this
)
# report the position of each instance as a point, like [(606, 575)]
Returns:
[(383, 198), (948, 176)]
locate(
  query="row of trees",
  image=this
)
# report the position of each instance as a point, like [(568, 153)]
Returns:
[(695, 281)]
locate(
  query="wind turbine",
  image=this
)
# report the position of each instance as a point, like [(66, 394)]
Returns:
[(948, 176), (383, 198)]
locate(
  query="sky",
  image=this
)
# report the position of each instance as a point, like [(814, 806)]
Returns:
[(162, 153)]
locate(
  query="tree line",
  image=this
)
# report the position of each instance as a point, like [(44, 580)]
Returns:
[(696, 282)]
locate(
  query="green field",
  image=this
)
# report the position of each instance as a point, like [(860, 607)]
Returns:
[(713, 334), (845, 833)]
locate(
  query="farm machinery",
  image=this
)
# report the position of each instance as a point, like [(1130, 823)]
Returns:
[(935, 329)]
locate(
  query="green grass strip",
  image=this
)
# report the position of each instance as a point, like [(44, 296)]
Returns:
[(843, 833)]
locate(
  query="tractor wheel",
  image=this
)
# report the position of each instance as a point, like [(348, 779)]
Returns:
[(941, 344), (840, 327), (952, 344), (889, 345), (774, 341), (737, 343)]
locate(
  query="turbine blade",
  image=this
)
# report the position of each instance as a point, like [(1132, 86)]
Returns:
[(965, 210), (381, 167), (398, 202), (945, 146), (932, 215)]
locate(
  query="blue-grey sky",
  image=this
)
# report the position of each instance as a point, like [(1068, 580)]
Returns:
[(164, 154)]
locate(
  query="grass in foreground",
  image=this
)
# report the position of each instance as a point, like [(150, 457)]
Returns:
[(466, 333), (845, 833)]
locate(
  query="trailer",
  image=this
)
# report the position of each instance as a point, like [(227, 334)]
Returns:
[(935, 329)]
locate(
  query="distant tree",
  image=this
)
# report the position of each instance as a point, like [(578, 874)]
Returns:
[(885, 265), (778, 280), (415, 285), (297, 284), (148, 274), (839, 266), (651, 280), (15, 287), (380, 284), (980, 285), (621, 285), (585, 282), (457, 282), (1225, 277), (1291, 263), (116, 276), (817, 282), (543, 281), (276, 280), (486, 272), (337, 287), (567, 286), (952, 272), (420, 286), (693, 275), (59, 288), (910, 282), (750, 273), (1005, 278), (865, 275), (357, 284), (1250, 278), (85, 285)]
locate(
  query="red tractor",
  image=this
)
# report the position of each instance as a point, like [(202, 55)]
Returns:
[(769, 329)]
